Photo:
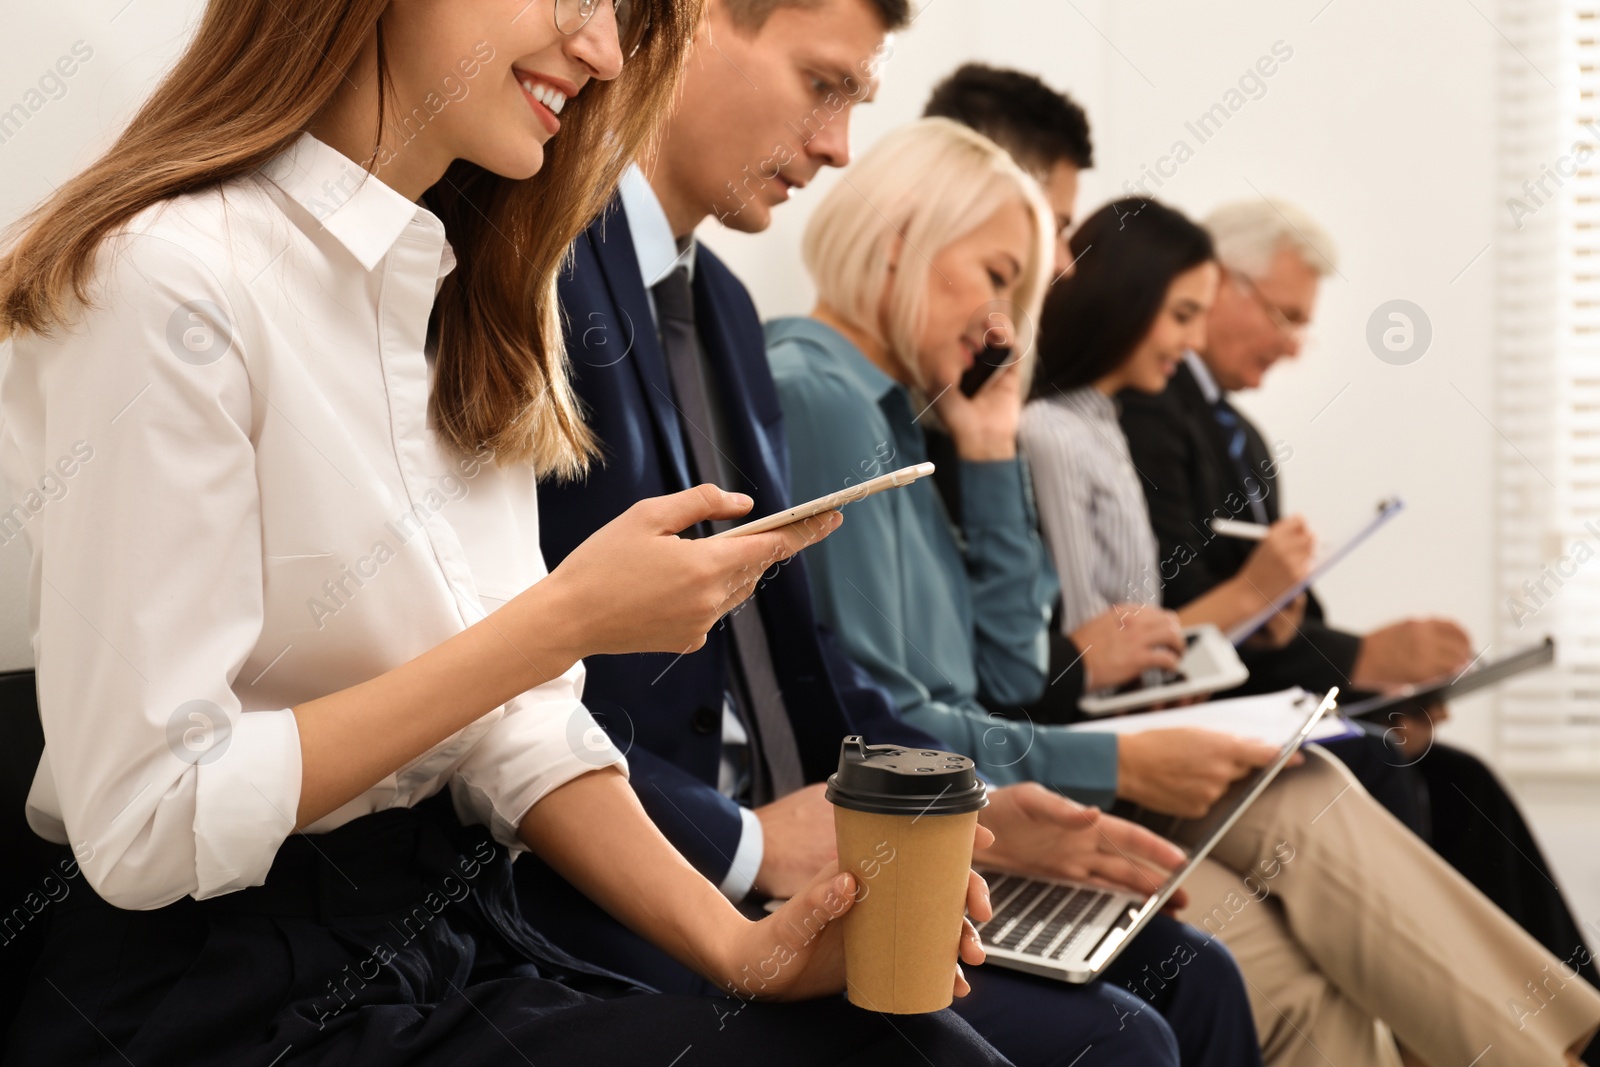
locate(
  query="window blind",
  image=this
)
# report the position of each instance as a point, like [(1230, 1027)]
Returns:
[(1547, 405)]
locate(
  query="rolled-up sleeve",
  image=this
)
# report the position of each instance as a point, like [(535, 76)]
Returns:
[(545, 739), (149, 595)]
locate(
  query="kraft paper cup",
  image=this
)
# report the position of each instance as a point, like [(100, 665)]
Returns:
[(904, 821)]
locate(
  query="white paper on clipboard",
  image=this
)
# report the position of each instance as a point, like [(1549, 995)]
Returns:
[(1387, 510)]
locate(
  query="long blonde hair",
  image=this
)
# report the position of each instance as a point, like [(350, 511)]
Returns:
[(255, 76), (921, 187)]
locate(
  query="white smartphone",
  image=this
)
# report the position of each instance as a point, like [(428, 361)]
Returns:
[(832, 502)]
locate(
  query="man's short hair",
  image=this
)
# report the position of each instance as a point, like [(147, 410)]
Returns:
[(1037, 125), (751, 15), (1248, 234)]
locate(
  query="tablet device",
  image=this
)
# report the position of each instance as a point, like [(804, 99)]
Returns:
[(1470, 680), (832, 502), (1209, 665)]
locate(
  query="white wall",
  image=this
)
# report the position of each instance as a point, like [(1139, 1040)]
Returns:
[(69, 120), (1382, 125)]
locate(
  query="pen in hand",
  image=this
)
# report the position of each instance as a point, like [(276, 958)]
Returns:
[(1247, 531)]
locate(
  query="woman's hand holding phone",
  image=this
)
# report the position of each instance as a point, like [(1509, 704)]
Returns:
[(636, 586), (984, 425)]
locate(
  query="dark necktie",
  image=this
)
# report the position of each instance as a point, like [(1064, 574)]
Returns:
[(1234, 433), (775, 756)]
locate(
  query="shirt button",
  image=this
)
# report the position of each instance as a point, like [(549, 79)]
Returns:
[(705, 719)]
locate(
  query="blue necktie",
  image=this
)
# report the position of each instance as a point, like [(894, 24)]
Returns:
[(1233, 429)]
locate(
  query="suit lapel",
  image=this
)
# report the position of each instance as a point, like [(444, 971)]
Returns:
[(613, 245)]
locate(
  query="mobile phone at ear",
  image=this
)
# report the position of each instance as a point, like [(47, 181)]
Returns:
[(831, 502), (991, 359)]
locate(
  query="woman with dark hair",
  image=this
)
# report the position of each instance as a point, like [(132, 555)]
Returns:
[(1135, 304), (1124, 320), (1145, 250), (305, 685)]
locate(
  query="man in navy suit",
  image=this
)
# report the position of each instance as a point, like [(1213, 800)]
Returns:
[(729, 745)]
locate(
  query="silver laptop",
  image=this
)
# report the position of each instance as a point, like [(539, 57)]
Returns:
[(1072, 931)]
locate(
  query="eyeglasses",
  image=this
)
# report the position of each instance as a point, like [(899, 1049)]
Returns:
[(632, 20), (1295, 331)]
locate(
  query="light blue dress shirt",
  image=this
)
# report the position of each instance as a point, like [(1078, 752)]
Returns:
[(934, 616), (656, 249)]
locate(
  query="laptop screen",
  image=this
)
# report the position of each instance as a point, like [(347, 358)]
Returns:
[(1199, 835)]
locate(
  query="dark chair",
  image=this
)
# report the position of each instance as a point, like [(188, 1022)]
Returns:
[(24, 856)]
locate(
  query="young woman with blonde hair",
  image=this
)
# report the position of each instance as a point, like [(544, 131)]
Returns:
[(305, 684)]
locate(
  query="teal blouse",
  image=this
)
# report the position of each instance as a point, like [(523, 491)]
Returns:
[(934, 612)]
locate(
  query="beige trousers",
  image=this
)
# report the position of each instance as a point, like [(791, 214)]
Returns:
[(1343, 921)]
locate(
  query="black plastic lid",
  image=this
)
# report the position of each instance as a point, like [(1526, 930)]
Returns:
[(890, 780)]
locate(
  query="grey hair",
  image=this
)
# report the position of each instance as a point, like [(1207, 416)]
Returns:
[(1248, 233)]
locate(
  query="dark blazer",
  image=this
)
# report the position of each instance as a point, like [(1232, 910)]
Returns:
[(1182, 453), (665, 711)]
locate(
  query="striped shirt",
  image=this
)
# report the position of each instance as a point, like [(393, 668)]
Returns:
[(1091, 504)]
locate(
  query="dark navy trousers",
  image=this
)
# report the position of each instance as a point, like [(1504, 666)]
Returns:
[(398, 939), (1173, 996)]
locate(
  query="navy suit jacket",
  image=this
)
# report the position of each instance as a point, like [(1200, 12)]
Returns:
[(665, 711), (1177, 443)]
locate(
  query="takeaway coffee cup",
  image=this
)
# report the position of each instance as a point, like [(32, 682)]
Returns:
[(904, 818)]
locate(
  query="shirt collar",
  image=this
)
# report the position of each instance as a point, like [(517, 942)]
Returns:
[(356, 208), (866, 375), (1202, 376), (653, 243), (1090, 401)]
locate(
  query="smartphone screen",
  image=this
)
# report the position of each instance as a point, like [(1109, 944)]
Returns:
[(832, 502)]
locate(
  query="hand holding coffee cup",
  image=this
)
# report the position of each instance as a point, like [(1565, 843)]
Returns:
[(905, 821)]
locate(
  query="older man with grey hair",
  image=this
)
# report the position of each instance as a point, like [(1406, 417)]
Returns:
[(1200, 454), (1202, 458)]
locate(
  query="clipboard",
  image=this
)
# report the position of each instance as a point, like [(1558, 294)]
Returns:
[(1468, 681), (1387, 510)]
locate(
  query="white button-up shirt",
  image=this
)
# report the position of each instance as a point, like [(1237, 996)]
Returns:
[(235, 504)]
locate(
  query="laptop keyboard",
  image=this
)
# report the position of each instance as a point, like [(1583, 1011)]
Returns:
[(1040, 919)]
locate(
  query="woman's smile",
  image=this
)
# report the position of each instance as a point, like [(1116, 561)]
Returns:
[(545, 95)]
